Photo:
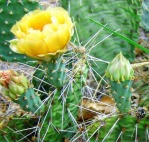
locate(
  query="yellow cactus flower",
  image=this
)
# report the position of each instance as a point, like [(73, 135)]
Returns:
[(42, 33)]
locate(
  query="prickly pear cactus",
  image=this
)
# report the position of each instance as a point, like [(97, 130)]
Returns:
[(126, 128), (14, 130), (55, 72), (116, 15), (120, 73), (62, 113), (18, 89), (30, 101), (9, 15)]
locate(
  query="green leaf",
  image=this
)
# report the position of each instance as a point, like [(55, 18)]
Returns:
[(123, 37)]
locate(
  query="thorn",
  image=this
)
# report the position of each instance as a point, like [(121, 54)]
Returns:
[(114, 92), (10, 53), (3, 32), (10, 12), (25, 10), (35, 105), (53, 71), (126, 86), (1, 10), (25, 98), (63, 61), (6, 22), (55, 62), (32, 97), (131, 89)]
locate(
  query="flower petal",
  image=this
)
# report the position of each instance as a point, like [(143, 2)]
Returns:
[(14, 47)]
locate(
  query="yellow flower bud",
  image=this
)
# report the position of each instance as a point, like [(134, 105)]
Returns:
[(42, 34)]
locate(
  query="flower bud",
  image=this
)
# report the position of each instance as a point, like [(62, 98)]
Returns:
[(15, 79), (23, 81), (119, 69), (13, 84)]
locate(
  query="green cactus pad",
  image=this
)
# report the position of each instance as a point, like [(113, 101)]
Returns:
[(9, 15), (30, 101), (55, 71), (121, 92)]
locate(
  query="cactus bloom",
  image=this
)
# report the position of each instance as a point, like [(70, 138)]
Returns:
[(119, 69), (42, 34), (13, 84)]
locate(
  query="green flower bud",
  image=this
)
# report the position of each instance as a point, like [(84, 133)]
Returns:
[(119, 69), (20, 90), (15, 79), (16, 89), (23, 81), (12, 96), (12, 87)]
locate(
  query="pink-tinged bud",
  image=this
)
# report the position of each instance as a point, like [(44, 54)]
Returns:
[(119, 69), (13, 84), (5, 78)]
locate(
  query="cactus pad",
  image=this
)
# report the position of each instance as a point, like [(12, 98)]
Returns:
[(9, 15), (30, 101)]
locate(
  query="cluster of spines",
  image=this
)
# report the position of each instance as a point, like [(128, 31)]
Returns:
[(111, 12)]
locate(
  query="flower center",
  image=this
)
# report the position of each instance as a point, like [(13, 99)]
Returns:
[(38, 21)]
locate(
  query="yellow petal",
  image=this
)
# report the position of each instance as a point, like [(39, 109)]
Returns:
[(63, 35), (58, 12), (42, 33), (33, 48), (14, 46), (52, 43), (39, 19)]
